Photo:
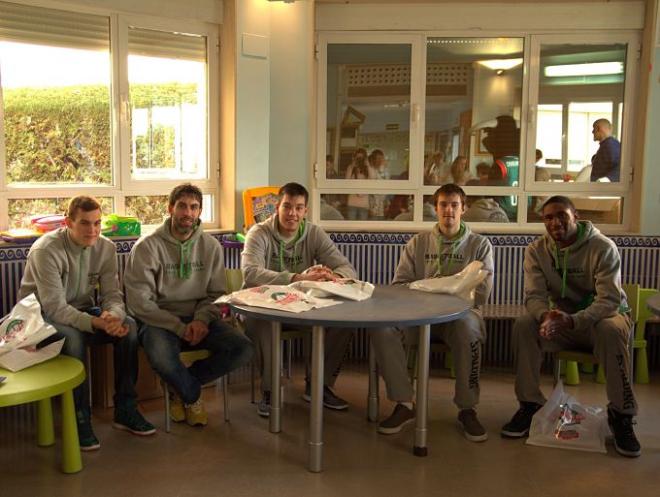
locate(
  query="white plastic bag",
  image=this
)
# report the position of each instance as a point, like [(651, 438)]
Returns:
[(24, 326), (20, 331), (280, 297), (565, 423), (461, 284), (346, 287)]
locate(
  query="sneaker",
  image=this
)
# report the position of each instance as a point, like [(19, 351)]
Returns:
[(131, 420), (625, 441), (330, 400), (519, 425), (472, 428), (263, 407), (177, 410), (86, 437), (400, 417), (196, 413)]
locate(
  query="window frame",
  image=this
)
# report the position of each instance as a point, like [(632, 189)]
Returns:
[(527, 187), (120, 140)]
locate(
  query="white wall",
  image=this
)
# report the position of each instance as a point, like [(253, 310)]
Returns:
[(291, 90), (252, 99)]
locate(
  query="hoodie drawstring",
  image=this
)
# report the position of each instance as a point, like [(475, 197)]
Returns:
[(301, 231), (454, 246)]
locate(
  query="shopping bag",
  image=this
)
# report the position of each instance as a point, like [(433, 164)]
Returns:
[(20, 331), (347, 288), (565, 423), (24, 326), (280, 297), (461, 284)]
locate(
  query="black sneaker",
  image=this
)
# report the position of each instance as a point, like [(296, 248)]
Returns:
[(86, 437), (130, 419), (472, 428), (400, 417), (330, 400), (263, 407), (519, 425), (625, 441)]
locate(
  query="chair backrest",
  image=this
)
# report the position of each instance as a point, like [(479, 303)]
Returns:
[(632, 291), (259, 204), (234, 279), (644, 312)]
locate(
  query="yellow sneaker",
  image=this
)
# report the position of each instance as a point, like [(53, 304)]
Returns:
[(196, 413), (177, 410)]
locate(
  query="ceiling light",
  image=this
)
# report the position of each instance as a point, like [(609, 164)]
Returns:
[(590, 69), (500, 64)]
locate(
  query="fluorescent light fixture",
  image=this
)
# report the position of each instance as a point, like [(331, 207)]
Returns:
[(500, 64), (589, 69)]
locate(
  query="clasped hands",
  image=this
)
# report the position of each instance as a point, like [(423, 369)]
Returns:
[(316, 273), (553, 321), (111, 324)]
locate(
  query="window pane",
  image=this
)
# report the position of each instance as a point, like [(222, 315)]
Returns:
[(579, 86), (56, 99), (148, 209), (366, 207), (167, 88), (473, 101), (480, 209), (21, 210), (597, 209), (368, 111)]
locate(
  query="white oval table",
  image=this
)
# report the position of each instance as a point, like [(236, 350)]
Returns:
[(388, 306)]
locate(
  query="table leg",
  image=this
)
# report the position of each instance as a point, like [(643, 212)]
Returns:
[(45, 432), (275, 392), (420, 448), (372, 399), (71, 460), (316, 415)]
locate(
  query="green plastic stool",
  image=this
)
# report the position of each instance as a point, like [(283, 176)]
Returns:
[(40, 383)]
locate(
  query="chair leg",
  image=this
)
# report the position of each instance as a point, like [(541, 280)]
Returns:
[(167, 406), (600, 375), (252, 375), (225, 396), (289, 352), (642, 366), (572, 373), (449, 364)]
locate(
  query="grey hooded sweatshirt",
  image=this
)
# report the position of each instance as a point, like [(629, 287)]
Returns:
[(583, 279), (167, 280), (64, 277), (269, 260), (430, 254)]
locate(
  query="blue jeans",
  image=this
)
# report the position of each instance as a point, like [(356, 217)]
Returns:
[(229, 348), (124, 353)]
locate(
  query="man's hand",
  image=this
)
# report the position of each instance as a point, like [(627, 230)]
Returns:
[(111, 324), (554, 321), (316, 273), (195, 332)]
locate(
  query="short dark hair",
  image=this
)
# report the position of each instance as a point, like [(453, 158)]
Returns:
[(294, 190), (83, 203), (560, 199), (185, 190), (449, 189)]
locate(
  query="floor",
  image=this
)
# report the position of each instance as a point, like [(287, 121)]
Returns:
[(242, 458)]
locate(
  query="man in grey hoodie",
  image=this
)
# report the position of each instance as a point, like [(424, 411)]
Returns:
[(283, 249), (172, 278), (443, 251), (574, 299), (64, 270)]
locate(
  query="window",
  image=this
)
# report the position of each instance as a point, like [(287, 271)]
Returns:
[(513, 119), (124, 124)]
